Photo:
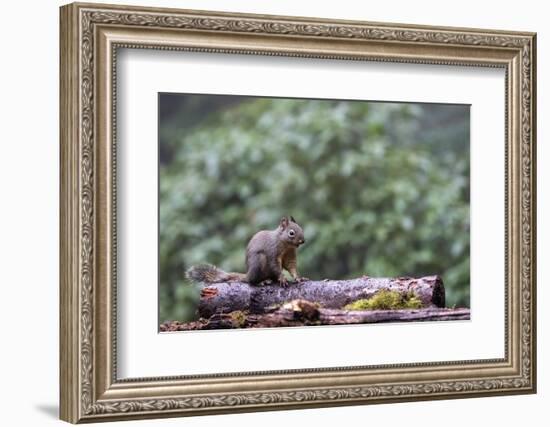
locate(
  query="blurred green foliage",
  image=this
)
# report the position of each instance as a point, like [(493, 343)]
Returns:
[(380, 189)]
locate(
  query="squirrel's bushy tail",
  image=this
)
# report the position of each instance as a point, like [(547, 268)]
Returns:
[(208, 273)]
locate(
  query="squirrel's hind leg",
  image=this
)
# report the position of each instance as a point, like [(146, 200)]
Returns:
[(256, 273)]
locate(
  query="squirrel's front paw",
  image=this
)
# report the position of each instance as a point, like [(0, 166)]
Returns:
[(282, 281)]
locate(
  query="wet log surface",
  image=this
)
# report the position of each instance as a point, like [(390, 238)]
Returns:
[(228, 297)]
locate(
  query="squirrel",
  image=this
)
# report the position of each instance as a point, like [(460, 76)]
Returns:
[(267, 254)]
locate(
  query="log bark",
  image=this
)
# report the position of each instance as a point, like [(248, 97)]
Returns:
[(237, 296), (302, 313)]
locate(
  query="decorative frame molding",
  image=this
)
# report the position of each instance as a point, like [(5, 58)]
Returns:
[(90, 36)]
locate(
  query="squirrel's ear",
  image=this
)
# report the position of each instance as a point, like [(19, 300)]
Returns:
[(293, 220), (284, 222)]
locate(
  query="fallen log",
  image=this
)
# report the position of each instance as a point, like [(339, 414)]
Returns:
[(228, 297), (302, 313)]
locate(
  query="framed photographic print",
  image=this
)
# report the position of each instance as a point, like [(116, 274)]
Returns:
[(266, 212)]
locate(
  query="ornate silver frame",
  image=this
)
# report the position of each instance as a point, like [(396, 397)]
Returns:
[(90, 36)]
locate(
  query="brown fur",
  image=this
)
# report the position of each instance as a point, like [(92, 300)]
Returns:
[(267, 254)]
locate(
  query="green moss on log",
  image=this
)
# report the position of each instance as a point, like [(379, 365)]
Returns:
[(239, 318), (386, 300)]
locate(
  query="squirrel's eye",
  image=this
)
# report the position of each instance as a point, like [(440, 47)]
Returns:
[(291, 233)]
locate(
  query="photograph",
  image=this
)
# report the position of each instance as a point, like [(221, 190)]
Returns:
[(261, 211), (279, 212)]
